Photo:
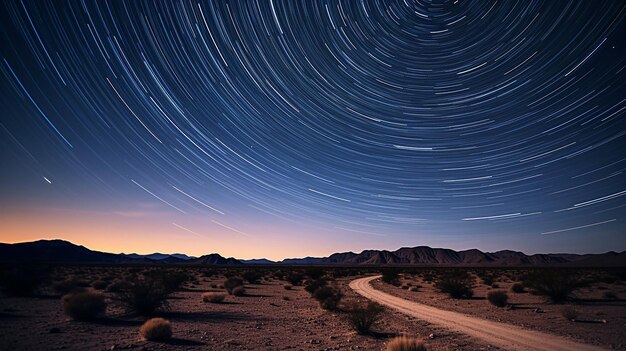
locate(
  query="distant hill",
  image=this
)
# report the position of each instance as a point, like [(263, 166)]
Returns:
[(257, 261), (213, 259), (424, 255), (159, 256), (60, 251), (306, 260), (56, 251)]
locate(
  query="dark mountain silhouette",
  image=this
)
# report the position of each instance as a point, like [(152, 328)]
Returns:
[(306, 260), (60, 251), (56, 251), (609, 259), (424, 255), (159, 256), (257, 261), (213, 259)]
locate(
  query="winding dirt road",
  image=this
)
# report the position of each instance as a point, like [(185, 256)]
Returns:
[(505, 336)]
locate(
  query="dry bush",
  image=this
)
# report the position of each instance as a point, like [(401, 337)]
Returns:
[(609, 295), (288, 286), (518, 288), (231, 283), (294, 278), (143, 297), (405, 343), (498, 298), (99, 284), (119, 285), (362, 318), (390, 276), (69, 286), (556, 285), (156, 329), (84, 305), (487, 280), (252, 277), (569, 313), (170, 279), (213, 297), (312, 285), (328, 297), (239, 290), (457, 284)]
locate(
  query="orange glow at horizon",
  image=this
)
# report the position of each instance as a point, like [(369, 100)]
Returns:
[(149, 232)]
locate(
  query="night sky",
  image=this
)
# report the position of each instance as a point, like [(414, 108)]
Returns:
[(294, 128)]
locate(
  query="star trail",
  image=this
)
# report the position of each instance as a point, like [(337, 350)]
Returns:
[(318, 125)]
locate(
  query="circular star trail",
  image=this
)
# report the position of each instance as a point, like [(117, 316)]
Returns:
[(365, 118)]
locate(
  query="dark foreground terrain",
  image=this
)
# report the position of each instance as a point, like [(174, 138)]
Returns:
[(295, 308)]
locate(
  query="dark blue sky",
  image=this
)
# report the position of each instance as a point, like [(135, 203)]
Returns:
[(284, 128)]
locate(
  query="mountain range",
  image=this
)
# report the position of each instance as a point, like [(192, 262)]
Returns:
[(61, 251)]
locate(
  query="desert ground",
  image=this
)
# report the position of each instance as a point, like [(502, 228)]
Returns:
[(280, 309)]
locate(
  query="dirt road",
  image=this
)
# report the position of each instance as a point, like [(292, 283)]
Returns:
[(505, 336)]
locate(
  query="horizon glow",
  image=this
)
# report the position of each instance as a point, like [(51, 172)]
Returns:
[(291, 128)]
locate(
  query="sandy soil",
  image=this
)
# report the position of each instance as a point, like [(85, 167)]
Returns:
[(501, 334), (533, 312), (269, 318)]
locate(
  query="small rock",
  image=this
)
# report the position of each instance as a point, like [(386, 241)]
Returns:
[(432, 336)]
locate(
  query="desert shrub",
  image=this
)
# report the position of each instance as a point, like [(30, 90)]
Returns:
[(143, 297), (252, 277), (84, 305), (209, 273), (230, 273), (495, 285), (313, 285), (288, 286), (328, 297), (390, 276), (457, 284), (231, 283), (315, 273), (405, 343), (213, 297), (119, 285), (569, 313), (557, 286), (428, 277), (609, 295), (22, 281), (156, 329), (239, 290), (294, 278), (213, 285), (99, 284), (518, 288), (362, 318), (69, 285), (498, 298), (171, 280), (487, 280)]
